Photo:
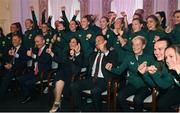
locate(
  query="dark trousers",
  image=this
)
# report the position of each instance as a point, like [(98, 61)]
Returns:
[(170, 98), (27, 83), (4, 83), (97, 87), (139, 95)]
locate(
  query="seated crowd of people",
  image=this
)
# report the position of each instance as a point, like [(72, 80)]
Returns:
[(145, 52)]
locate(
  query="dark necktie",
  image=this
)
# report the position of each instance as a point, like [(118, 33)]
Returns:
[(97, 66), (36, 70), (13, 59)]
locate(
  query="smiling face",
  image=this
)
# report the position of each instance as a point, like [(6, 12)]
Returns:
[(159, 49), (151, 24), (177, 18), (16, 41), (72, 25), (138, 46), (170, 56), (84, 23), (118, 23), (136, 25), (99, 40), (45, 28), (103, 23), (28, 24), (13, 28), (39, 41), (73, 43)]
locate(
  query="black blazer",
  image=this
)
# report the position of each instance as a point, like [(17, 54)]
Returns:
[(65, 60), (44, 60), (18, 63), (112, 57)]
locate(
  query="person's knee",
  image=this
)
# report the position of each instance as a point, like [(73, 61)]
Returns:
[(161, 105), (121, 97), (74, 87), (138, 100), (95, 92)]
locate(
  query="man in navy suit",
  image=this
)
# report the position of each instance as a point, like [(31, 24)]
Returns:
[(15, 61), (41, 64), (96, 80)]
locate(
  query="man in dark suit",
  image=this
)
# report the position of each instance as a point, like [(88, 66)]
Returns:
[(41, 67), (98, 75), (15, 61)]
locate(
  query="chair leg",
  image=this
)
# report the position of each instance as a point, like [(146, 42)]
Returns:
[(154, 100), (109, 95), (115, 96)]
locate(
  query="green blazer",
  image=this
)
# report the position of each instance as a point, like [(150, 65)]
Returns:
[(87, 39), (150, 40), (131, 64), (175, 34), (161, 79), (28, 39), (111, 38)]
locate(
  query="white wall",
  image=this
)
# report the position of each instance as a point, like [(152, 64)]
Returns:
[(5, 14), (16, 11), (178, 4)]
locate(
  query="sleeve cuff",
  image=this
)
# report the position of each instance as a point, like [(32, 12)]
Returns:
[(77, 54), (34, 56), (16, 55)]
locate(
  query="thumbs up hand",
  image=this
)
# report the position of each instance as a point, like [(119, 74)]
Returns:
[(49, 50), (29, 52), (11, 52)]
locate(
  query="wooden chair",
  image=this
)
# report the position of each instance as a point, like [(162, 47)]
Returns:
[(47, 83), (149, 102), (106, 95)]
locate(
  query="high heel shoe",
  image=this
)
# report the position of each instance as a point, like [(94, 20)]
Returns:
[(55, 107)]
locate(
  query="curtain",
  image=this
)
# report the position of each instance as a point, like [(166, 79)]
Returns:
[(54, 8), (129, 6)]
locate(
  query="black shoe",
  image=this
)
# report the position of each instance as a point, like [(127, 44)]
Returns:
[(25, 100)]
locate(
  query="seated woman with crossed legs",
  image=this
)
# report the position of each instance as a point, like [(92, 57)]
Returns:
[(70, 64)]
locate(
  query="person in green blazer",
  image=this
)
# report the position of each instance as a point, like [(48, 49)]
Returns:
[(121, 36), (65, 19), (135, 84), (59, 41), (86, 37), (137, 30), (107, 32), (13, 30), (30, 33), (73, 30), (172, 96), (158, 72), (155, 32), (46, 32), (174, 33)]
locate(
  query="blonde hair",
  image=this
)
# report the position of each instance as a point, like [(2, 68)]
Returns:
[(143, 40)]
